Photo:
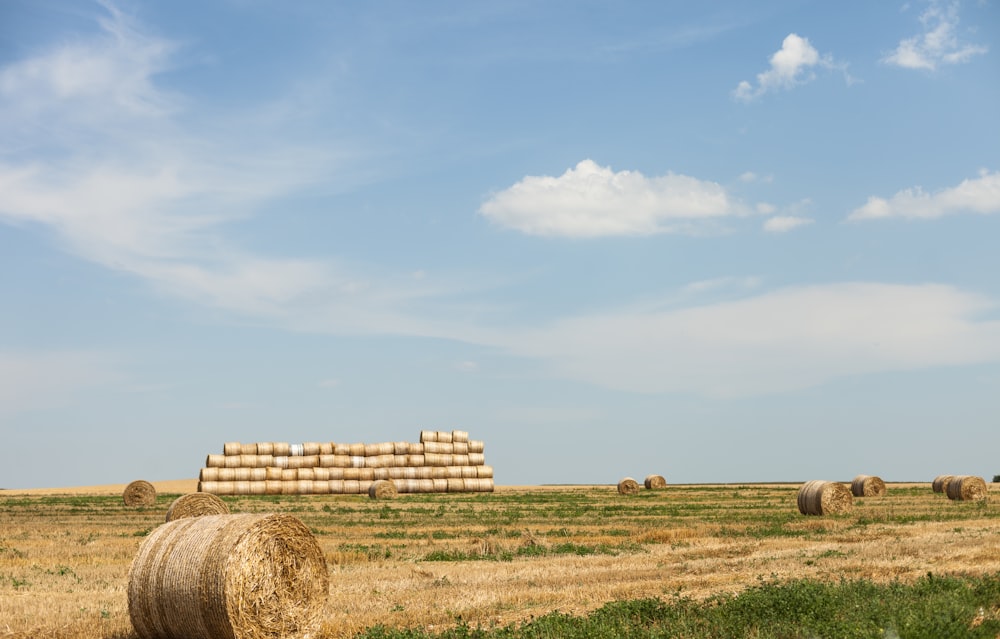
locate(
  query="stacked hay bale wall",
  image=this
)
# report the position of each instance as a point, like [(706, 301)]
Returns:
[(237, 576), (867, 486), (819, 497), (442, 461)]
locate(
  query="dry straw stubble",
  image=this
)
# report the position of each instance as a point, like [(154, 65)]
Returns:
[(819, 497), (196, 505), (244, 576), (867, 486), (139, 493)]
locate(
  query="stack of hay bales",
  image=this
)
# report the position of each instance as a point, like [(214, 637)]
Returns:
[(443, 461)]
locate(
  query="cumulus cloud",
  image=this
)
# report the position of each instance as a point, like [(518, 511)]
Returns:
[(593, 201), (785, 223), (775, 342), (790, 66), (938, 44), (978, 195)]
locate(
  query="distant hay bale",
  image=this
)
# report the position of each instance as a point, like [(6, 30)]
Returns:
[(628, 486), (139, 493), (196, 505), (967, 488), (940, 483), (818, 497), (867, 486), (654, 482), (459, 436), (245, 576), (382, 489)]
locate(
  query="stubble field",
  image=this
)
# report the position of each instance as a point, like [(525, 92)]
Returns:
[(489, 560)]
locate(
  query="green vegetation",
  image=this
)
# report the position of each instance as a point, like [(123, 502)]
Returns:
[(932, 608)]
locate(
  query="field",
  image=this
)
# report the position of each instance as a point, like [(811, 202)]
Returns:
[(490, 560)]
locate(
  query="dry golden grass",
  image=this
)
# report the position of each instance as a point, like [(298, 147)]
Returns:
[(493, 559)]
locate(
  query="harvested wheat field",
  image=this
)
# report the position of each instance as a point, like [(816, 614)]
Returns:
[(491, 559)]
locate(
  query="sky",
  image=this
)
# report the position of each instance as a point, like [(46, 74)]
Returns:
[(719, 242)]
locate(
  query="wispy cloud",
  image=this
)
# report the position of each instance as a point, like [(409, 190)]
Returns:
[(792, 65), (775, 342), (594, 201), (939, 42), (979, 195), (785, 223)]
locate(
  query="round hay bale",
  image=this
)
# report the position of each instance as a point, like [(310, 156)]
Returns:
[(382, 489), (628, 486), (940, 483), (459, 436), (476, 446), (232, 448), (139, 493), (867, 486), (428, 436), (246, 576), (654, 482), (196, 505), (265, 448), (967, 488), (819, 497)]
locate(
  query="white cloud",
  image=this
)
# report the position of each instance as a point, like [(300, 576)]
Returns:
[(593, 201), (785, 223), (791, 66), (938, 44), (979, 195), (779, 341)]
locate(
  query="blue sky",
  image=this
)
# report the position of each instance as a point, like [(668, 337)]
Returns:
[(721, 242)]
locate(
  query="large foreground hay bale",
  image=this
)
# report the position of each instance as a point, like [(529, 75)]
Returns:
[(628, 486), (867, 486), (940, 483), (655, 481), (246, 576), (139, 493), (382, 489), (196, 505), (819, 497), (967, 487)]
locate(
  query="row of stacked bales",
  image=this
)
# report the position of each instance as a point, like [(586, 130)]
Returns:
[(442, 461)]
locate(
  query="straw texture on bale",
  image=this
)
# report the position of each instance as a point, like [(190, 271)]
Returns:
[(940, 483), (139, 493), (245, 576), (867, 486), (819, 497), (382, 489), (655, 481), (628, 486), (196, 505), (967, 488)]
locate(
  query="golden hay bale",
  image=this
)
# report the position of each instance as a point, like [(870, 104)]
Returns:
[(867, 486), (655, 481), (818, 497), (382, 489), (196, 505), (940, 483), (460, 436), (265, 448), (245, 576), (232, 448), (139, 493), (484, 471), (967, 488), (628, 486)]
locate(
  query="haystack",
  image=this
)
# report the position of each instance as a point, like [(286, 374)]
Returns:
[(382, 489), (139, 493), (245, 576), (819, 497), (867, 486), (196, 505), (655, 481), (967, 488), (940, 483), (628, 486)]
